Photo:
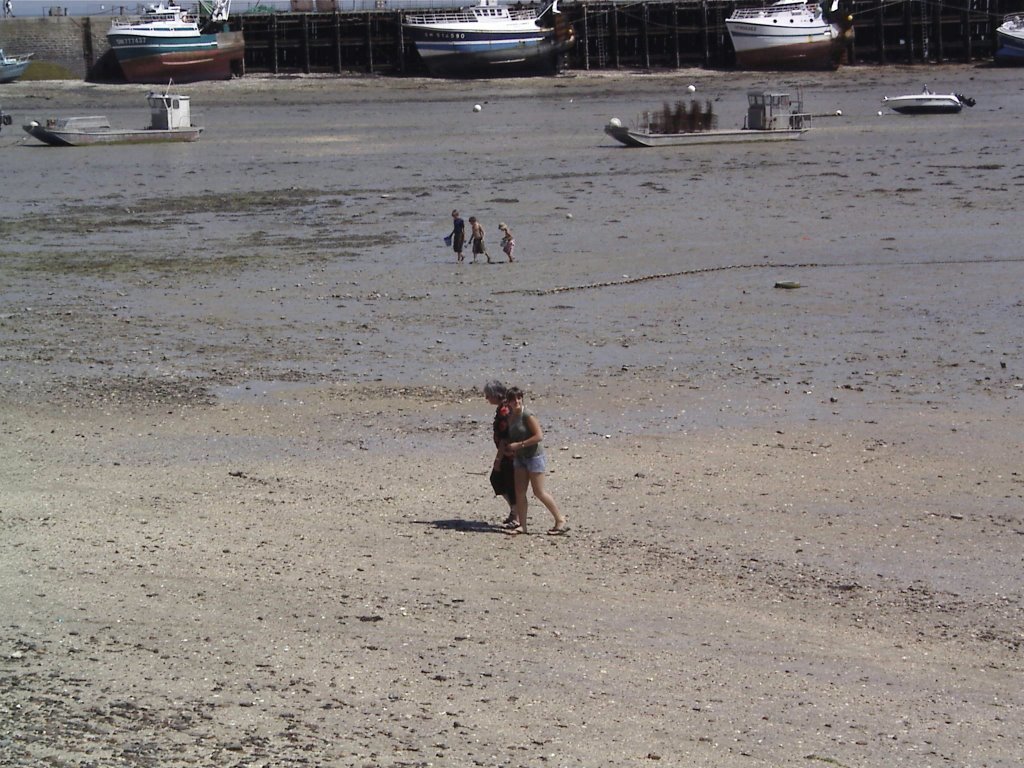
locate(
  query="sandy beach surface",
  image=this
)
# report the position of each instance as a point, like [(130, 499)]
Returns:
[(244, 511)]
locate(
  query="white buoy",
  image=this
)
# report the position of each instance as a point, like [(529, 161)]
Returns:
[(568, 215), (477, 107), (839, 113), (615, 122), (691, 88), (879, 113)]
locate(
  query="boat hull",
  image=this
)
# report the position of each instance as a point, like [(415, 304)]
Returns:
[(84, 139), (11, 72), (785, 36), (925, 105), (813, 55), (185, 60), (634, 138), (1010, 42), (502, 56)]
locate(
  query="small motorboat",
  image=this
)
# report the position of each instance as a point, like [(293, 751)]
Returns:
[(1010, 39), (770, 117), (12, 67), (928, 103), (170, 120)]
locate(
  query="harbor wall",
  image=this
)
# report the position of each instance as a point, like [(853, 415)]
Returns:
[(71, 44), (655, 35)]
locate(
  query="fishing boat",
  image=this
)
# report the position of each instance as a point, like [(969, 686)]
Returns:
[(1010, 40), (12, 67), (166, 42), (770, 117), (170, 120), (928, 103), (789, 34), (490, 39)]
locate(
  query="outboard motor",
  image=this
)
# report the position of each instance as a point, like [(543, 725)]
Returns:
[(967, 101)]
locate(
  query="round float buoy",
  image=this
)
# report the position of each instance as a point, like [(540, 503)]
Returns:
[(477, 107)]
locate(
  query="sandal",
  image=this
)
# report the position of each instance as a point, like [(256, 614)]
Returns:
[(517, 531), (559, 530)]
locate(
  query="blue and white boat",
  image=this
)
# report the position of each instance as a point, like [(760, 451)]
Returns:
[(165, 43), (12, 67), (491, 40), (1010, 40)]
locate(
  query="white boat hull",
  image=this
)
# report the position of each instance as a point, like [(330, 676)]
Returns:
[(1010, 40), (635, 138), (925, 104), (784, 36)]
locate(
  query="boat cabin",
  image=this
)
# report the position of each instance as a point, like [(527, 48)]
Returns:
[(169, 111), (768, 111)]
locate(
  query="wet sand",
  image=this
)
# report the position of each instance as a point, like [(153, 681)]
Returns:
[(245, 513)]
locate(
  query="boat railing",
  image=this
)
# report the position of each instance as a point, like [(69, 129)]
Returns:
[(471, 16), (767, 12), (1014, 20)]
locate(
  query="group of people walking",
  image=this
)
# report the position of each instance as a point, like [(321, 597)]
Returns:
[(457, 239), (519, 462)]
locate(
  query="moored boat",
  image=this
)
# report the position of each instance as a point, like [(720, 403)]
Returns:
[(165, 42), (170, 120), (789, 34), (12, 67), (770, 117), (490, 40), (927, 103), (1010, 40)]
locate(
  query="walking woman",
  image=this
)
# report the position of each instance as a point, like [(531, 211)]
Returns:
[(502, 471), (525, 437)]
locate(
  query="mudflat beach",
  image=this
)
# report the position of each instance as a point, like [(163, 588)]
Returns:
[(244, 510)]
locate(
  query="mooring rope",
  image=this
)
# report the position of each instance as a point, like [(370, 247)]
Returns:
[(705, 270)]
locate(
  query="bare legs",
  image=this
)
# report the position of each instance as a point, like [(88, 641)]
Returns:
[(524, 479)]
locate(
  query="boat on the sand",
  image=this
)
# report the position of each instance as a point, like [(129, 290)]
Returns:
[(491, 39), (170, 120), (166, 42), (928, 103), (1010, 40), (788, 34), (770, 117), (13, 67)]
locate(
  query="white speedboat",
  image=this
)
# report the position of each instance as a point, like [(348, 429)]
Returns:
[(770, 117), (490, 39), (1010, 40), (785, 35), (928, 103), (170, 120)]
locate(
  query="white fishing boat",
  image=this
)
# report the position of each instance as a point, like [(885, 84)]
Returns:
[(491, 39), (1010, 40), (786, 35), (12, 67), (770, 117), (166, 42), (170, 120), (928, 103)]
